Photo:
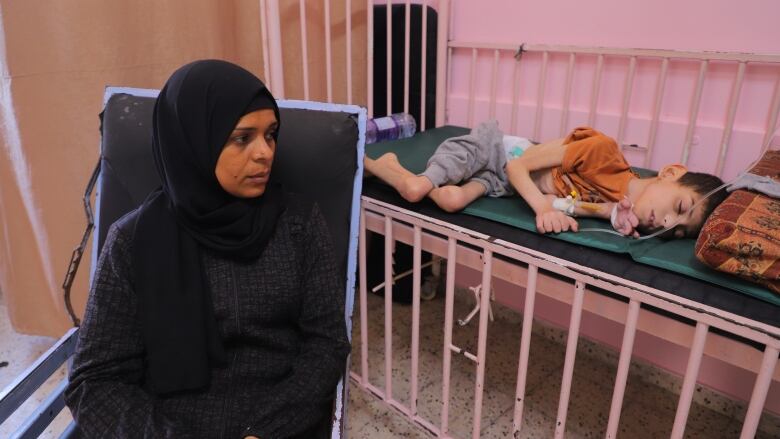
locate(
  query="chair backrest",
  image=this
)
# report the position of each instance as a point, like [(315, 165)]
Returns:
[(317, 154)]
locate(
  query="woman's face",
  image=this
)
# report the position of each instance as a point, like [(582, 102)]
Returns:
[(244, 165)]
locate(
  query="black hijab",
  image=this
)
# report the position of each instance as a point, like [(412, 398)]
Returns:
[(194, 115)]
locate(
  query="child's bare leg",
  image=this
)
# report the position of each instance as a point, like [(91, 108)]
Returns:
[(454, 198), (387, 168)]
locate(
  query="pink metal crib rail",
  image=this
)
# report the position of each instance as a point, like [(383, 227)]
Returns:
[(703, 59), (274, 75), (423, 232), (273, 65)]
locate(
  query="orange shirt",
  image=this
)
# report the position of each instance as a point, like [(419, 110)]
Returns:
[(594, 166)]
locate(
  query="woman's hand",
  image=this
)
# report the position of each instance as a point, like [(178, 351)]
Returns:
[(555, 221), (624, 220)]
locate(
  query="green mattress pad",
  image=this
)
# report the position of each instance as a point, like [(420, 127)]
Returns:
[(675, 255)]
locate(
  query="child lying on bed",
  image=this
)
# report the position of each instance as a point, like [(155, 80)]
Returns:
[(585, 164)]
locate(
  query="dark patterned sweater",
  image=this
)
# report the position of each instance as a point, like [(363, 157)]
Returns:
[(281, 318)]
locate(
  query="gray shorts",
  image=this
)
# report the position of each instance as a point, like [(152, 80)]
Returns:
[(478, 156)]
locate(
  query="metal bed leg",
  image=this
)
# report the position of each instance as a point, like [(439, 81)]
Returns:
[(568, 365), (760, 389), (689, 382)]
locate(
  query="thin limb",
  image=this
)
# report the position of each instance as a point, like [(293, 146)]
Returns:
[(387, 168), (453, 198)]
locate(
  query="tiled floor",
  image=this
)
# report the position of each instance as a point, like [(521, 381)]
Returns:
[(648, 410), (19, 351)]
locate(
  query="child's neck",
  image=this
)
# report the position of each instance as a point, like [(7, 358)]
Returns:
[(637, 185)]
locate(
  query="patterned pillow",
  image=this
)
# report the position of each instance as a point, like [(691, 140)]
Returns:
[(742, 236)]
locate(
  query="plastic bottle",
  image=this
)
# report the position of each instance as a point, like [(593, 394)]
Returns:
[(395, 126)]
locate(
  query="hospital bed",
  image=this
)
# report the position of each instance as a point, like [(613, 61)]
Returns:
[(639, 291)]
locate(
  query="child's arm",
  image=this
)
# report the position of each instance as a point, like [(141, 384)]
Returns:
[(625, 221), (593, 210), (544, 156)]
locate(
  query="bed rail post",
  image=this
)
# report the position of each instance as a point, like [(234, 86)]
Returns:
[(423, 62), (363, 300), (264, 42), (771, 123), (388, 308), (472, 87), (348, 15), (407, 31), (732, 112), (594, 90), (416, 281), (525, 347), (275, 49), (567, 95), (328, 64), (479, 391), (571, 352), (493, 80), (389, 57), (370, 57), (449, 303), (515, 92), (443, 29), (540, 97), (694, 112), (689, 382), (304, 48), (628, 87), (659, 96), (760, 389), (624, 362)]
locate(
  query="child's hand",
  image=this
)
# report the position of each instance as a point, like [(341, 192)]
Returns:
[(624, 220), (555, 221)]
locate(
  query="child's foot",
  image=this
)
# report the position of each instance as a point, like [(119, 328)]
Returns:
[(371, 167), (368, 165), (387, 168), (388, 160)]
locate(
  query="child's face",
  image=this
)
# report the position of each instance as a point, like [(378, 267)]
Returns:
[(664, 201)]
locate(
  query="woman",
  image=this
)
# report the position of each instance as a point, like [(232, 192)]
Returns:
[(216, 309)]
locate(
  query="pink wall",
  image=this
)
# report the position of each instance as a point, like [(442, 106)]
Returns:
[(615, 23), (720, 25)]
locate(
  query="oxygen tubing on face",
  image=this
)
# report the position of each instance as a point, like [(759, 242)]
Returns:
[(765, 147)]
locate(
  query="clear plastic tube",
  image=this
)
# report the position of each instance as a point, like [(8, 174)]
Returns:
[(597, 229)]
